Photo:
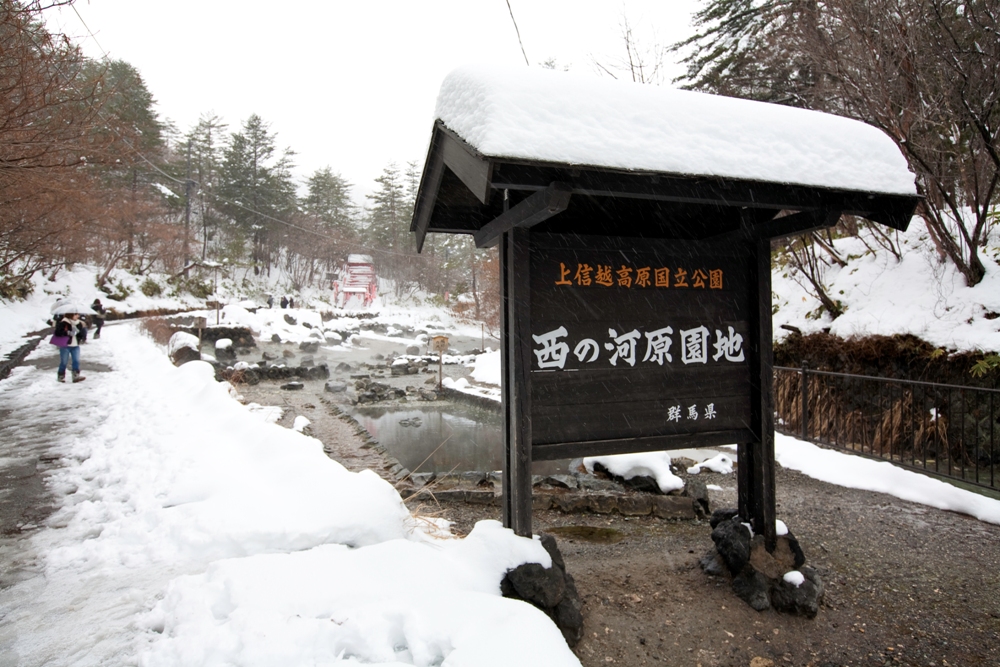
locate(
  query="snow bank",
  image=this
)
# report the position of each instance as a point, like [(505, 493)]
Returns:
[(855, 472), (399, 602), (553, 116), (284, 556)]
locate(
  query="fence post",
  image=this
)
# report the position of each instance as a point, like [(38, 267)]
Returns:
[(805, 401)]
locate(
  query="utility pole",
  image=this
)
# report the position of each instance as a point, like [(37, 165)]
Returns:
[(188, 187)]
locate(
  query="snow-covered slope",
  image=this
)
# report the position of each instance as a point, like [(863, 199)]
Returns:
[(919, 295)]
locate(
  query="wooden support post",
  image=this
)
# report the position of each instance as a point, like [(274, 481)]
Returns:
[(516, 353), (755, 479)]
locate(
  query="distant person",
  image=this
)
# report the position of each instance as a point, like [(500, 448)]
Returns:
[(270, 301), (74, 330), (98, 318), (291, 302), (284, 302)]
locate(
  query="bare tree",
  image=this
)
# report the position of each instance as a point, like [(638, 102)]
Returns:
[(641, 63), (927, 72)]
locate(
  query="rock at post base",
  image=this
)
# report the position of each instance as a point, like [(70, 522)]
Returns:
[(732, 539), (550, 589), (758, 575)]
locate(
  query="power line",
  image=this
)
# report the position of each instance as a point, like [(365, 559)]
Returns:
[(518, 34)]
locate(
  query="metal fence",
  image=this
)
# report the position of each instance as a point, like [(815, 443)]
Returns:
[(946, 430)]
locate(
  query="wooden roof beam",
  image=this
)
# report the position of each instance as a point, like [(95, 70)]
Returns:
[(537, 208)]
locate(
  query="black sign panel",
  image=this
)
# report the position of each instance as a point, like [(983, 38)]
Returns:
[(636, 339)]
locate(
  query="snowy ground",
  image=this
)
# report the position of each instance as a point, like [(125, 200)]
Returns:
[(186, 528)]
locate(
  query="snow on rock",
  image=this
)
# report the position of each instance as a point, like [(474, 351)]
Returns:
[(487, 368), (458, 385), (795, 578), (647, 464), (223, 343), (780, 528), (554, 116), (180, 340), (268, 413), (720, 463), (300, 423)]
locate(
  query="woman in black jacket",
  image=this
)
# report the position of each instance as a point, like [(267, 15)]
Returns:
[(71, 326)]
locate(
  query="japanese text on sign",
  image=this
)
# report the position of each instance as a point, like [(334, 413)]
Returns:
[(693, 347), (607, 275)]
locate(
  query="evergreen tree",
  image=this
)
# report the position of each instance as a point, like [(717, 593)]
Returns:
[(388, 223), (753, 49), (256, 186), (329, 199)]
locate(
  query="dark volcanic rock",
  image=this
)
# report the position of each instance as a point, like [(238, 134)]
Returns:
[(803, 600), (752, 587), (640, 483), (290, 320), (550, 589), (292, 386), (697, 491), (309, 346), (732, 539), (712, 564), (541, 586), (182, 355), (758, 574), (720, 515), (275, 338)]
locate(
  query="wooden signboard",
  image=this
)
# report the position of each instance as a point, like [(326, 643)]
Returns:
[(439, 344), (636, 304), (616, 344), (637, 345)]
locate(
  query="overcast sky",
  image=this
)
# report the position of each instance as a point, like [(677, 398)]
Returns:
[(350, 84)]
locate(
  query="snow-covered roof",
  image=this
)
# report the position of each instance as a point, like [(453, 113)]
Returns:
[(560, 117), (359, 259)]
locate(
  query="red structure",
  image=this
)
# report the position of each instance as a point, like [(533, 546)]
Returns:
[(357, 280)]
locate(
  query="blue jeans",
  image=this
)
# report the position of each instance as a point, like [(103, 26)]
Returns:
[(65, 353)]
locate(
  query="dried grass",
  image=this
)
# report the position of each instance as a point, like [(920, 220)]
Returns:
[(895, 428)]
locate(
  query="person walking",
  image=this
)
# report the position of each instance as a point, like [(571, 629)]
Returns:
[(98, 317), (72, 328), (284, 302)]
